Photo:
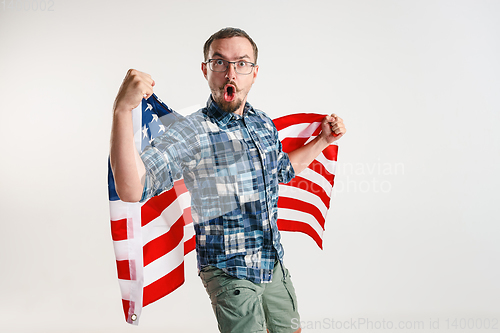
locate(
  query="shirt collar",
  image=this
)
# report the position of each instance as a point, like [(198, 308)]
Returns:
[(223, 117)]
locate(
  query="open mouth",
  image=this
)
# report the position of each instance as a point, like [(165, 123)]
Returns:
[(229, 92)]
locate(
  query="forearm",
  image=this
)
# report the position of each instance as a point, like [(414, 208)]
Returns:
[(303, 156), (128, 168)]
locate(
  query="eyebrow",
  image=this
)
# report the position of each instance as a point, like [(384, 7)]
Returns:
[(217, 54)]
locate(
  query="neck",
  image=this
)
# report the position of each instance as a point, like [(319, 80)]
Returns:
[(240, 109)]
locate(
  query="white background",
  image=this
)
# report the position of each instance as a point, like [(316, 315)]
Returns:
[(414, 226)]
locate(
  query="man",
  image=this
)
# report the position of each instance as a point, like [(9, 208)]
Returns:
[(232, 162)]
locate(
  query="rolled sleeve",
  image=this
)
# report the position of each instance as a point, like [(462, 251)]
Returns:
[(285, 169)]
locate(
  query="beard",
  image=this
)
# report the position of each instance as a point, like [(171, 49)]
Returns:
[(224, 105), (229, 107)]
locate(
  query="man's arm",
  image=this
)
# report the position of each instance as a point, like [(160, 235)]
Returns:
[(332, 129), (128, 168)]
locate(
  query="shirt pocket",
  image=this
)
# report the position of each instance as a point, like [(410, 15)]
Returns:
[(227, 154)]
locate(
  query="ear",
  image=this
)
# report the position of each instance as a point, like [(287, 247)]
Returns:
[(204, 69), (255, 72)]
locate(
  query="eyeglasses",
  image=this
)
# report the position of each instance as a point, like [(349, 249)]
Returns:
[(220, 65)]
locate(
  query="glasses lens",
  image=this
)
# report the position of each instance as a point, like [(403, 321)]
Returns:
[(243, 67), (218, 65)]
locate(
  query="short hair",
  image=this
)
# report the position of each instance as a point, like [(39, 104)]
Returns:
[(228, 33)]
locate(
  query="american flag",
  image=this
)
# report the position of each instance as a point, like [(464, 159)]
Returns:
[(151, 239), (304, 202)]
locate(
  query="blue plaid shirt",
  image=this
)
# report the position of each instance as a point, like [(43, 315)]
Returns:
[(232, 166)]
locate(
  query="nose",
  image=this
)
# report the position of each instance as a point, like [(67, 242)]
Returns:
[(231, 72)]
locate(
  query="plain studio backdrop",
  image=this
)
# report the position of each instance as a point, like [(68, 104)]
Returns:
[(412, 235)]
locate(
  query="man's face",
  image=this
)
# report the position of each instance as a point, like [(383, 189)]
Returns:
[(230, 89)]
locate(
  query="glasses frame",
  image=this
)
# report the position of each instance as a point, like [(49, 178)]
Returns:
[(209, 64)]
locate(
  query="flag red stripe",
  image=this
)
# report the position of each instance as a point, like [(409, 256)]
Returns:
[(296, 118), (189, 245), (119, 229), (311, 187), (187, 216), (320, 168), (180, 187), (156, 205), (331, 152), (289, 225), (290, 144), (164, 285), (302, 206), (126, 307), (165, 243), (123, 267)]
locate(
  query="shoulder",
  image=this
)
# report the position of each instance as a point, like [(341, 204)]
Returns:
[(188, 126), (261, 114), (265, 119)]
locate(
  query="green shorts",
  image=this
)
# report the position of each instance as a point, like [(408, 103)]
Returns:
[(243, 306)]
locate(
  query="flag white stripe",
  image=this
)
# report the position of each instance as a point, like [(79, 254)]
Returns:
[(328, 164), (137, 126), (118, 209), (317, 178), (121, 249), (303, 195), (295, 215), (164, 265), (159, 226), (188, 231), (125, 287), (303, 130)]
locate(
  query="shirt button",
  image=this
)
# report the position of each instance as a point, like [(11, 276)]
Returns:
[(236, 292)]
